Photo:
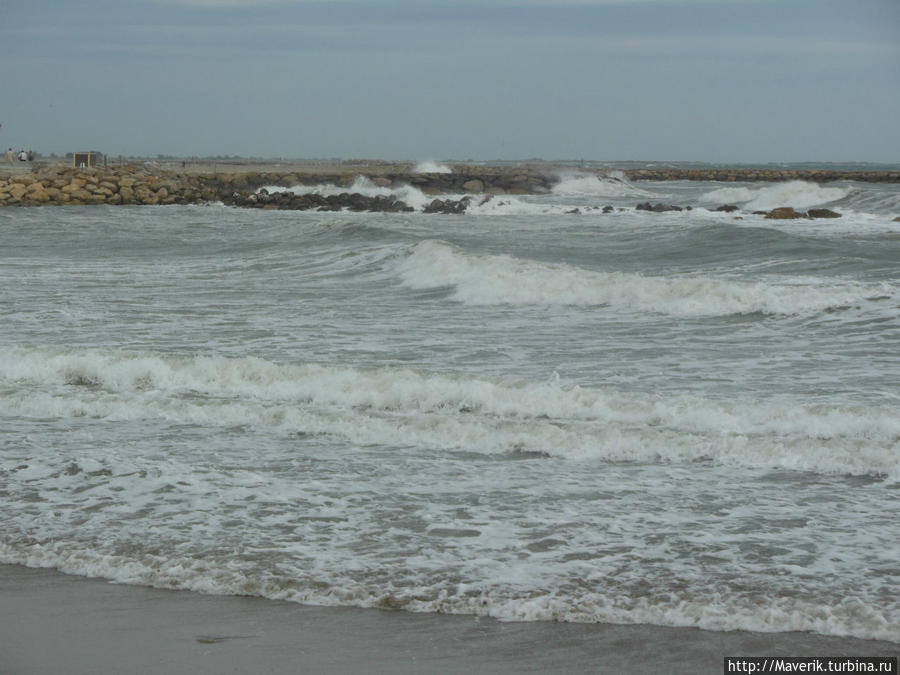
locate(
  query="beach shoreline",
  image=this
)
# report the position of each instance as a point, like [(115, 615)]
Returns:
[(60, 623)]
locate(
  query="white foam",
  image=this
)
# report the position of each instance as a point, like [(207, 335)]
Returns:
[(496, 596), (509, 205), (408, 194), (797, 194), (504, 280), (392, 406), (592, 185), (429, 166)]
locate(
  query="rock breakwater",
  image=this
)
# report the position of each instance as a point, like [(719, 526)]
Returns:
[(140, 185), (761, 175)]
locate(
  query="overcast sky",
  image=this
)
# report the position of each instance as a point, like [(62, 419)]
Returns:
[(708, 80)]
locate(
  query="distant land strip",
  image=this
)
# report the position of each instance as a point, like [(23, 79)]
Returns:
[(764, 175), (152, 184)]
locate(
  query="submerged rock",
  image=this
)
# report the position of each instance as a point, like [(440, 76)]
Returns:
[(657, 208), (448, 205), (288, 201), (823, 213), (784, 213)]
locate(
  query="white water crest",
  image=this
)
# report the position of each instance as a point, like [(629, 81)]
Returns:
[(429, 166), (395, 405), (505, 280), (408, 194), (797, 194), (613, 184)]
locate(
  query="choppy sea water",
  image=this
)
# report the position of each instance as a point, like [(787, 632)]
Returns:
[(684, 419)]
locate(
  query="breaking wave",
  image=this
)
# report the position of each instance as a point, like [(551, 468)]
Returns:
[(429, 166), (504, 280), (613, 184), (408, 194), (797, 194), (391, 406)]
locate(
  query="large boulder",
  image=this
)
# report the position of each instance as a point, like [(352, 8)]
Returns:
[(784, 213), (475, 186), (823, 213), (657, 208), (448, 205)]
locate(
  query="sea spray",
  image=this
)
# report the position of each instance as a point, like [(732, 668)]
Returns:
[(592, 185), (408, 194), (429, 166)]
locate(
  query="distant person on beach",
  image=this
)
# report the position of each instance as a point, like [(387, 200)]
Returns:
[(23, 156), (31, 155), (9, 156)]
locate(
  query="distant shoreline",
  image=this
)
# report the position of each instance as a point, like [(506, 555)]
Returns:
[(373, 168)]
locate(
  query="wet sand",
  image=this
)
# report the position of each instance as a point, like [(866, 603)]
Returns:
[(54, 623)]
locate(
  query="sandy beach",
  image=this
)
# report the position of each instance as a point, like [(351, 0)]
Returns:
[(55, 623)]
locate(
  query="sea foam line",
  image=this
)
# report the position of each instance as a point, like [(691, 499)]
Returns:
[(849, 617), (390, 406)]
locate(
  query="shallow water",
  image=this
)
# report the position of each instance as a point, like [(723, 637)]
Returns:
[(682, 419)]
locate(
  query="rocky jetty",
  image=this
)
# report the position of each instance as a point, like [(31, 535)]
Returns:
[(124, 185), (139, 185), (142, 185)]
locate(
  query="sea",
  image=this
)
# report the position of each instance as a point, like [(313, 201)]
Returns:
[(532, 411)]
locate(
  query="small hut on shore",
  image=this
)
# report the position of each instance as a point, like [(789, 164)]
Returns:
[(88, 159)]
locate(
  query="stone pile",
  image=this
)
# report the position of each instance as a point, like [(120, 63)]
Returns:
[(288, 201), (135, 185), (91, 186)]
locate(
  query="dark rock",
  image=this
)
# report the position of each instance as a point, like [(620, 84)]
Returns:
[(727, 208), (448, 205), (657, 208), (823, 213), (607, 209), (785, 213), (289, 201)]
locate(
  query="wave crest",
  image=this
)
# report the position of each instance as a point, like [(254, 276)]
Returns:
[(613, 184), (797, 194), (504, 280), (390, 406)]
